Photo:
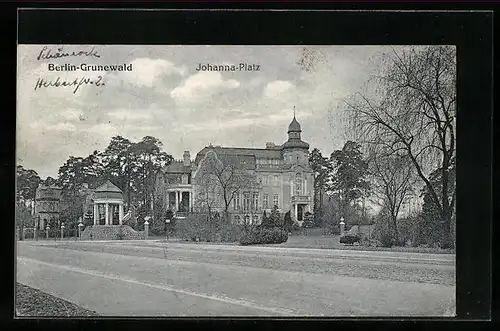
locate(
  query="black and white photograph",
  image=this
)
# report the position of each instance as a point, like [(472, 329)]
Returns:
[(210, 180)]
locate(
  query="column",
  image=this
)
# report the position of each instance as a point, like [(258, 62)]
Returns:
[(190, 201), (291, 188), (176, 201), (296, 210), (96, 209), (107, 214), (120, 212)]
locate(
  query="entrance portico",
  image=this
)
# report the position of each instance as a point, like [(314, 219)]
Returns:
[(180, 199), (300, 206)]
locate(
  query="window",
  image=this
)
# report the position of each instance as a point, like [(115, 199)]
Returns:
[(236, 201), (237, 219), (247, 219), (265, 201), (255, 201), (276, 200), (265, 180), (276, 179), (298, 184), (246, 201)]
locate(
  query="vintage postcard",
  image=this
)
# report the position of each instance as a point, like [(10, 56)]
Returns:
[(175, 180)]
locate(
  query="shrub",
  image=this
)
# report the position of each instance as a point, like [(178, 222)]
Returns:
[(205, 229), (386, 240), (350, 239), (264, 236), (120, 235), (308, 224), (295, 226)]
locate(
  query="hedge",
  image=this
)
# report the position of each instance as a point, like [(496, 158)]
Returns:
[(264, 236)]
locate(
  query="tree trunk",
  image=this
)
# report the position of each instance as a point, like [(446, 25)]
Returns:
[(395, 228)]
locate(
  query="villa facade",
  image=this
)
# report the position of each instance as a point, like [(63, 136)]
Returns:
[(282, 177)]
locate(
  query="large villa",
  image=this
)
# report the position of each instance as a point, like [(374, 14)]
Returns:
[(284, 179)]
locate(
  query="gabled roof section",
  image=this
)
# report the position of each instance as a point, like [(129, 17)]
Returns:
[(108, 187), (177, 167)]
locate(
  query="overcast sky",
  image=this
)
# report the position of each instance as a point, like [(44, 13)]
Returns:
[(165, 97)]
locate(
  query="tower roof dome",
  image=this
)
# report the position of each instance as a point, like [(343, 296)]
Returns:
[(294, 126)]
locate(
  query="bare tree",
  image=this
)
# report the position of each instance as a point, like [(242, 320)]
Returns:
[(219, 181), (393, 182), (412, 111)]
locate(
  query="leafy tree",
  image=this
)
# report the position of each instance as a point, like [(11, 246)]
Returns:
[(288, 222), (78, 170), (150, 159), (349, 182), (274, 220), (27, 181), (49, 181), (322, 169), (119, 163), (411, 109), (430, 228)]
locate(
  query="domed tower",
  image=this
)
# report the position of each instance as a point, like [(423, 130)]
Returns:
[(295, 150)]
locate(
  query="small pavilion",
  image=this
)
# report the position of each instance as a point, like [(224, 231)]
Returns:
[(108, 204)]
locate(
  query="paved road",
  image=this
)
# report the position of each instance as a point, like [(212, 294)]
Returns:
[(150, 278)]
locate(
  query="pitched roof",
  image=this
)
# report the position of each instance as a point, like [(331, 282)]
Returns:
[(177, 167), (108, 187), (243, 155)]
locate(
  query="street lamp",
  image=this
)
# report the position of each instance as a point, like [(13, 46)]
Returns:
[(80, 225), (342, 226), (167, 222), (62, 231)]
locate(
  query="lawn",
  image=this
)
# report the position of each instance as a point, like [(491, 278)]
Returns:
[(313, 240), (333, 242)]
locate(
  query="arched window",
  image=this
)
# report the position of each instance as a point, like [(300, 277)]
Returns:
[(298, 184)]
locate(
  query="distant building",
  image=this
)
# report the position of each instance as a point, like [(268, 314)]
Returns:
[(283, 176), (47, 205)]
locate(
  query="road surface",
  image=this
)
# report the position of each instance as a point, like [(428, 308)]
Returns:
[(152, 278)]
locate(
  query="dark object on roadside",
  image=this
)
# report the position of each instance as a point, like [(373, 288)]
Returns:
[(264, 236), (350, 239)]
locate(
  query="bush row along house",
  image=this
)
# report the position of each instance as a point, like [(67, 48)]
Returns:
[(255, 180)]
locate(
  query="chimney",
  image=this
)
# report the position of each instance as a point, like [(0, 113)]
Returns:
[(187, 158)]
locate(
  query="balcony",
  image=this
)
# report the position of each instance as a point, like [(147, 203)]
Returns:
[(301, 199)]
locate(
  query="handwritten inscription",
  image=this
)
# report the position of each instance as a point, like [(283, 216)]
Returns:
[(47, 53), (75, 83)]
